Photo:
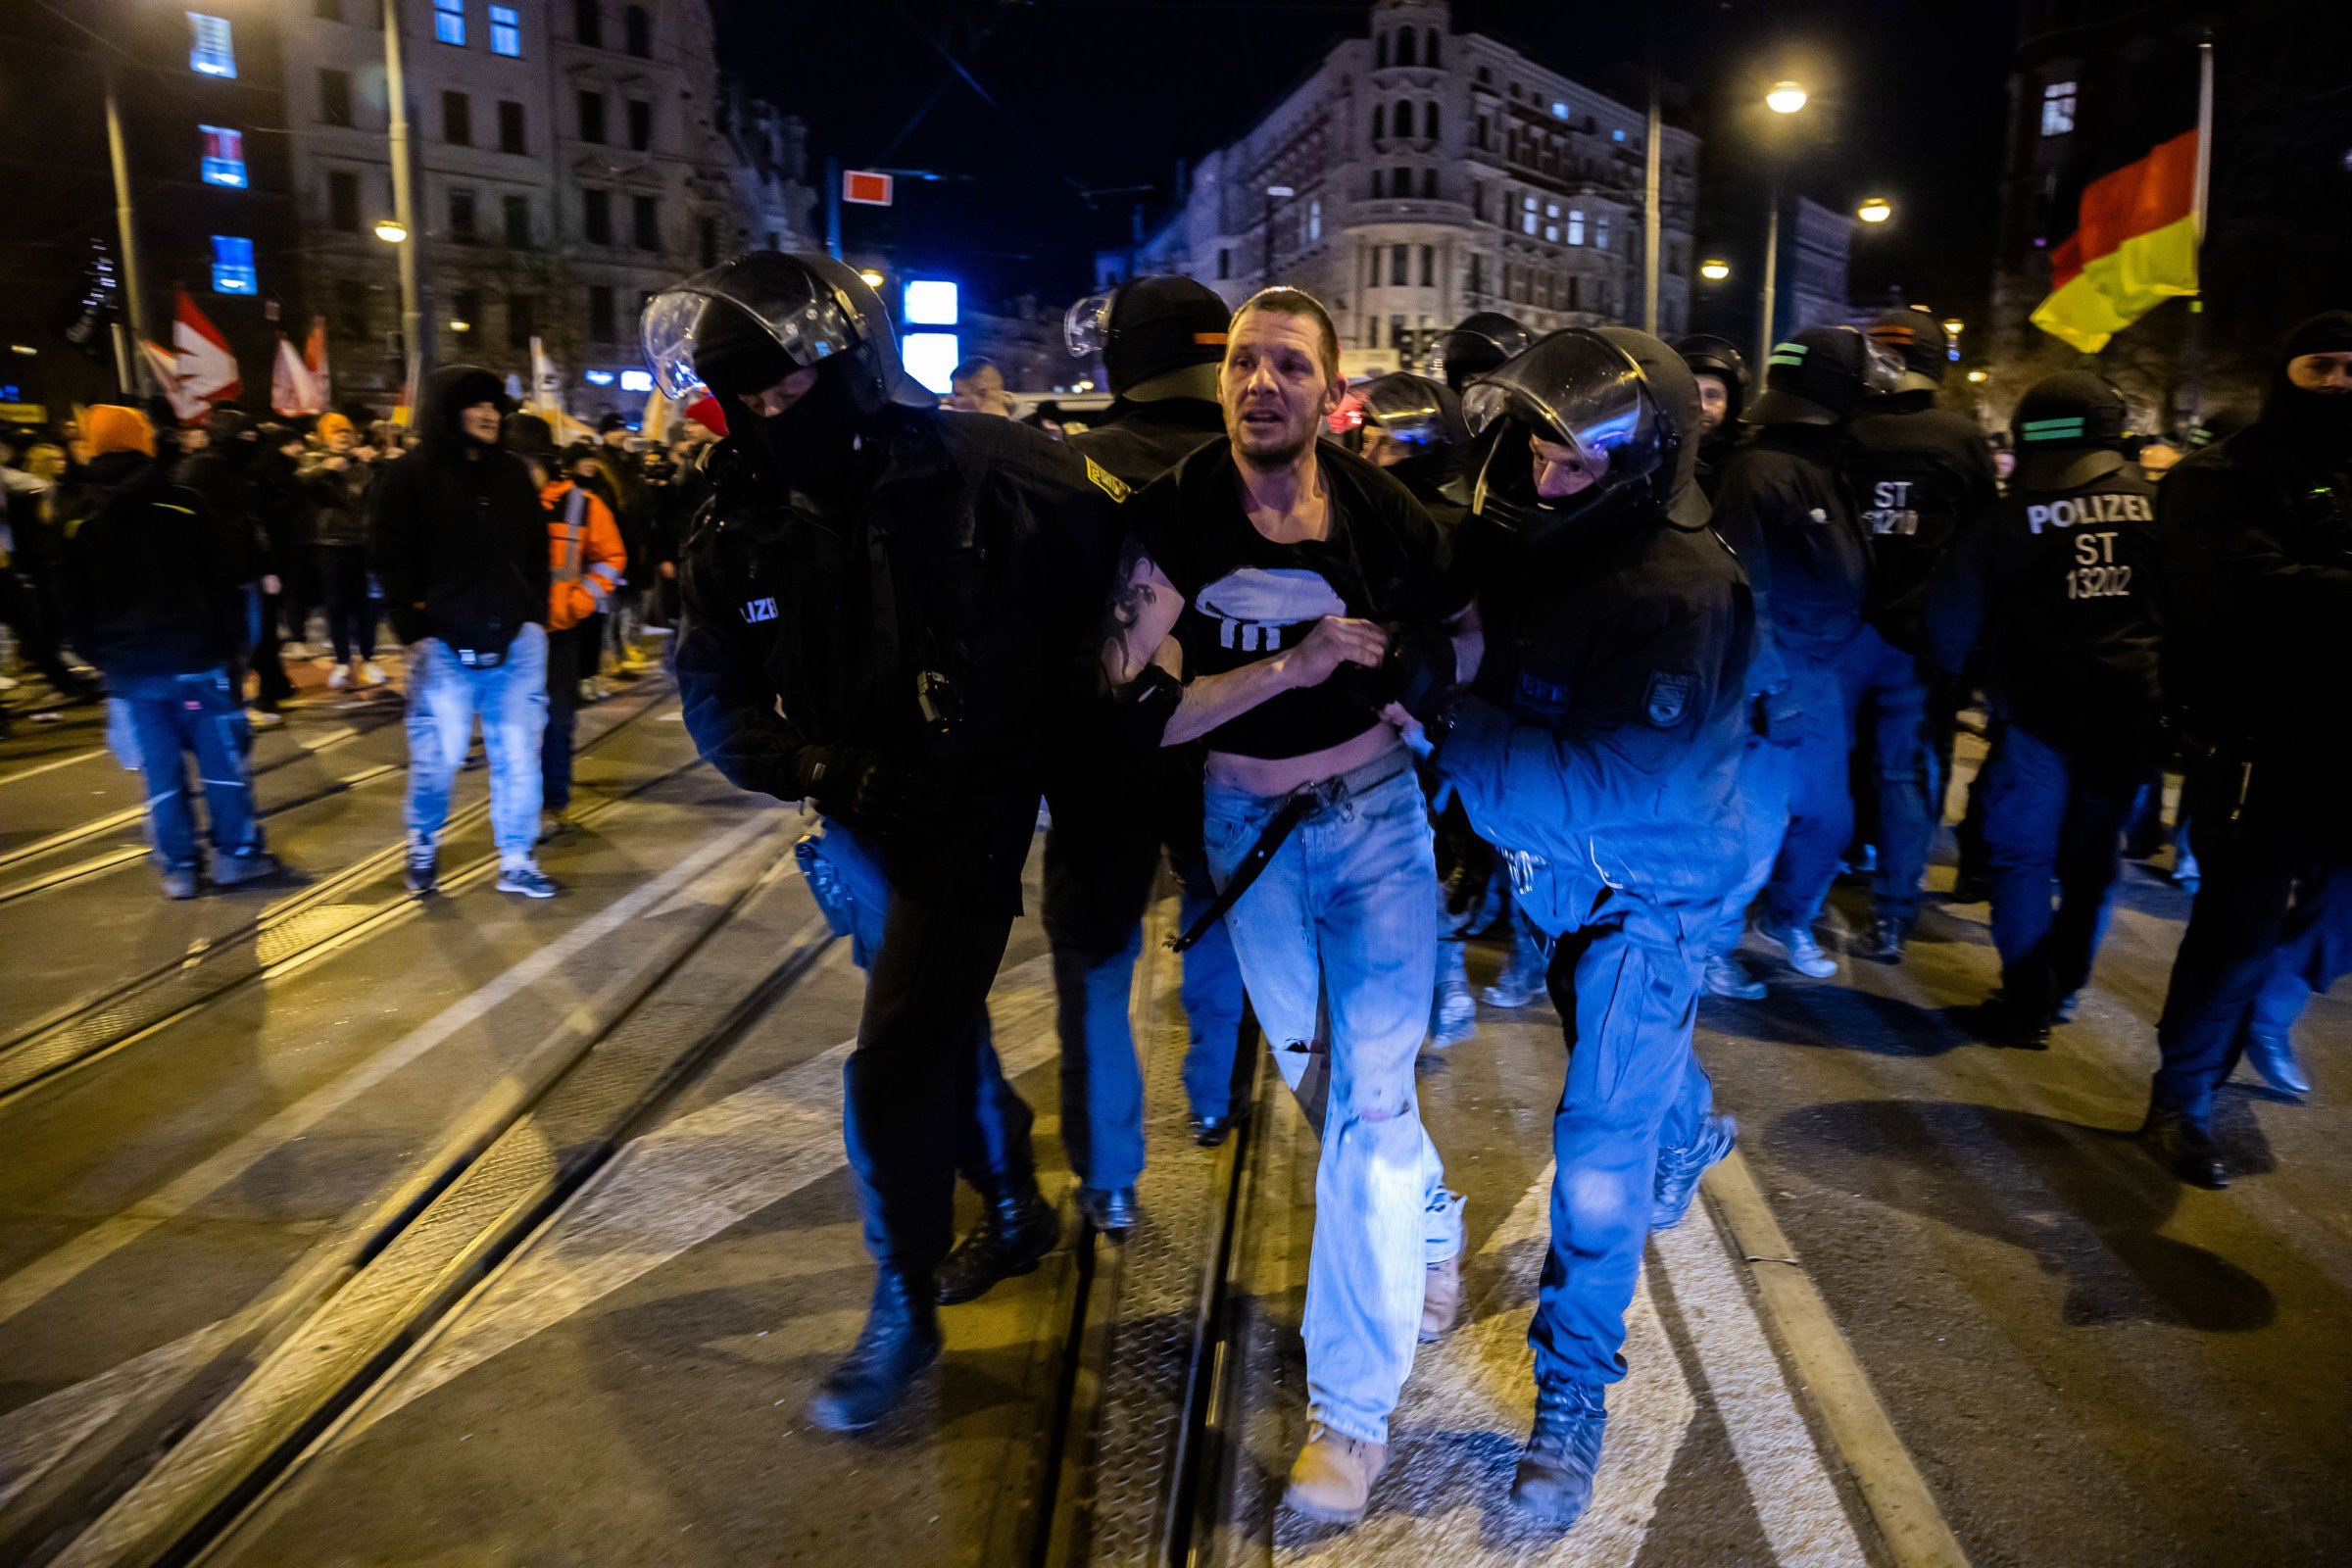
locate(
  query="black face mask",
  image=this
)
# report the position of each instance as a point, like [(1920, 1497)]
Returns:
[(2319, 421), (814, 445)]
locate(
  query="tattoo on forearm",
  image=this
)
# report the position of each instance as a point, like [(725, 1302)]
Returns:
[(1132, 594)]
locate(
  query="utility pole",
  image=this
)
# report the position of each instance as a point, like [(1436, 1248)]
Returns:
[(1649, 191), (130, 369), (1772, 263), (412, 341), (833, 208)]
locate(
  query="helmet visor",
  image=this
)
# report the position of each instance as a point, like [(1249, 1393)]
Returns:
[(1580, 391), (1881, 366), (1086, 329), (802, 320), (1406, 406)]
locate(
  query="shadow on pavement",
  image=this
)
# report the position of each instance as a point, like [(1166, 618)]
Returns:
[(2084, 1201), (1835, 1018)]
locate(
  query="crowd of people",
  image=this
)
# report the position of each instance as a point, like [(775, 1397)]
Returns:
[(1585, 626), (1604, 642), (182, 573)]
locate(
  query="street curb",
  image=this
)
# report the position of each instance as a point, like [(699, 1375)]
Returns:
[(1910, 1525)]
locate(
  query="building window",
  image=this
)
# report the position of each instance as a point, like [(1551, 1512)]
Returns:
[(1617, 134), (449, 21), (334, 96), (1399, 336), (596, 217), (351, 307), (1600, 231), (1527, 216), (1428, 47), (461, 218), (1575, 289), (1400, 264), (1378, 185), (1576, 225), (1429, 184), (523, 320), (637, 32), (457, 120), (328, 9), (212, 51), (588, 24), (1428, 121), (645, 222), (1379, 60), (1379, 114), (1404, 46), (1224, 261), (224, 156), (1429, 266), (505, 32), (464, 310), (641, 125), (511, 138), (707, 232), (518, 223), (600, 311), (233, 265), (1476, 283), (1314, 221), (343, 201), (2058, 109), (592, 116)]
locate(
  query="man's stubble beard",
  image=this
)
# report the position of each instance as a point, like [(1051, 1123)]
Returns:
[(1273, 460)]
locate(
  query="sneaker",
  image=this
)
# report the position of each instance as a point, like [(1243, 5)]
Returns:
[(1332, 1480), (179, 881), (1555, 1482), (422, 874), (1727, 976), (1794, 943), (373, 673), (229, 870), (264, 718), (589, 691), (1441, 1298), (1453, 1013), (1885, 943), (556, 824), (338, 677), (2271, 1055), (294, 650), (528, 880), (1522, 979), (1676, 1183)]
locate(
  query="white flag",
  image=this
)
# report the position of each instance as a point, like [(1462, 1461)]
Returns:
[(293, 390)]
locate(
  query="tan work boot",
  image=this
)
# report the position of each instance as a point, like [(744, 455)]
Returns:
[(1441, 1298), (1331, 1480)]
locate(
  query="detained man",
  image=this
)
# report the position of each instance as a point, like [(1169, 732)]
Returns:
[(1249, 614)]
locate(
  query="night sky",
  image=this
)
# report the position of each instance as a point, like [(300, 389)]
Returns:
[(1082, 95)]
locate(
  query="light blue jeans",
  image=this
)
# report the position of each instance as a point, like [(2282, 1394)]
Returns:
[(1338, 945), (511, 695)]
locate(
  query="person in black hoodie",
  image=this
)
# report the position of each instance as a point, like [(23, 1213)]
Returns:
[(222, 465), (152, 595), (2256, 540), (461, 548)]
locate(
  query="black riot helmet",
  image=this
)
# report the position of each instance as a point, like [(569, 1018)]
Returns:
[(1426, 417), (1818, 375), (1148, 328), (745, 324), (1708, 355), (1920, 342), (2068, 429), (1624, 402), (1481, 343)]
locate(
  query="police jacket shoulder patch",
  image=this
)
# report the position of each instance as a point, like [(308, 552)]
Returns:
[(1109, 484), (1668, 697)]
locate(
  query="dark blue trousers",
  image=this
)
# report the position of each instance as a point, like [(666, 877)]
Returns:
[(2051, 813), (1886, 692)]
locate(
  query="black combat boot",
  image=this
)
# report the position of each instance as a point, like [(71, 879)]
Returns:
[(899, 1339), (1017, 1228), (2185, 1147), (1555, 1482)]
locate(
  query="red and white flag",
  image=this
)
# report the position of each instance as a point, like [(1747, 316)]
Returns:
[(293, 390), (207, 371), (185, 405), (314, 360)]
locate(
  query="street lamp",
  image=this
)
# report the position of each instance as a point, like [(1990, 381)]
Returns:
[(1975, 375), (1874, 210), (1784, 98), (870, 278), (1954, 325), (1713, 270), (390, 232)]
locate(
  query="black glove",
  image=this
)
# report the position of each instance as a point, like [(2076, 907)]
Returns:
[(1418, 672), (859, 789)]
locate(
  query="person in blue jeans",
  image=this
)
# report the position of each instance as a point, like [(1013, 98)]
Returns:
[(2054, 584), (1258, 568), (151, 595), (460, 538)]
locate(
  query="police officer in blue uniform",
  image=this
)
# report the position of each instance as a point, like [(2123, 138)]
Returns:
[(1601, 748), (881, 604), (1486, 340), (1916, 472), (1785, 507), (2256, 538), (2054, 584), (1721, 373)]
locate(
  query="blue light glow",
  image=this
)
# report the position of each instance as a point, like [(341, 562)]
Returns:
[(930, 357), (930, 302)]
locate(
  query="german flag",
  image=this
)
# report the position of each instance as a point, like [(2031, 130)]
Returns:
[(2137, 193)]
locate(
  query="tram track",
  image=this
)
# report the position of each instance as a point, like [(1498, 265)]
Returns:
[(275, 940), (167, 1480)]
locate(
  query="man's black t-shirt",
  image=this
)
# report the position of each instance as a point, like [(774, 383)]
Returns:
[(1247, 596)]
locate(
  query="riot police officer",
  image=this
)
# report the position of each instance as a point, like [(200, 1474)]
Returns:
[(2054, 584), (879, 605), (1721, 373), (1483, 342), (1783, 505), (1601, 747), (2256, 536), (1915, 470)]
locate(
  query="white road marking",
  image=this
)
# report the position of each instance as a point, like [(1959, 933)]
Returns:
[(60, 1266), (34, 1437), (676, 1188)]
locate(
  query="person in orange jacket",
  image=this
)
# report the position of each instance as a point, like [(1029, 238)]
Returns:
[(588, 561)]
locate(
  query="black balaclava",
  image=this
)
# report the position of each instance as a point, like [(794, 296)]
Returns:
[(2319, 421), (811, 446)]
